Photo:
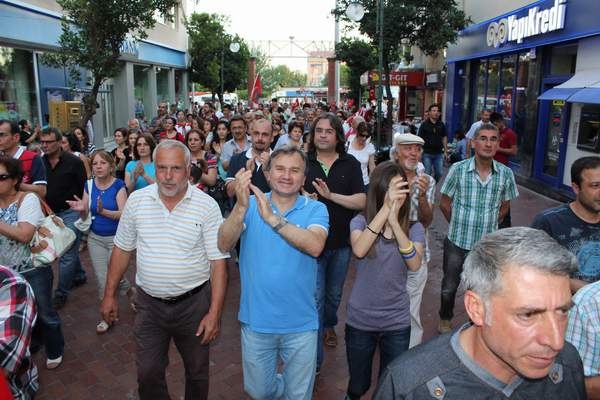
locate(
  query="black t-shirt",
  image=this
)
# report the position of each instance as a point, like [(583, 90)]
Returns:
[(345, 177), (433, 134), (65, 180)]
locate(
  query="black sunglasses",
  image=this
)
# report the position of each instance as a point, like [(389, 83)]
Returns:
[(4, 177)]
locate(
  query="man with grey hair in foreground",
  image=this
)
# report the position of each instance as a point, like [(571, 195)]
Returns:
[(517, 297)]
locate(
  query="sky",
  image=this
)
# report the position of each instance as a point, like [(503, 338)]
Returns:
[(305, 20)]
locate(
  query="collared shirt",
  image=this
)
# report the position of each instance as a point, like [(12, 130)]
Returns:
[(17, 317), (239, 161), (471, 132), (278, 280), (413, 215), (173, 247), (475, 202), (231, 148), (583, 330), (33, 166), (65, 180)]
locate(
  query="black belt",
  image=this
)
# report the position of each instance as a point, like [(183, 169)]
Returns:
[(181, 297)]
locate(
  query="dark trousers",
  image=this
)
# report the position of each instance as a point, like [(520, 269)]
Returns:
[(506, 221), (156, 323), (454, 257), (360, 349)]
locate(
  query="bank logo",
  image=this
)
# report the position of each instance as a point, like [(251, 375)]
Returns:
[(515, 28)]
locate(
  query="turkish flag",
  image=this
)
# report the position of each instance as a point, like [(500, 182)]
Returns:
[(256, 90)]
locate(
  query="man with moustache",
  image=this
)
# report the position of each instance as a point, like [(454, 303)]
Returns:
[(181, 274), (475, 197), (517, 299), (577, 225), (408, 149), (239, 143)]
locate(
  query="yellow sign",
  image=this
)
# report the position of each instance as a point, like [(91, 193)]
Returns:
[(559, 103)]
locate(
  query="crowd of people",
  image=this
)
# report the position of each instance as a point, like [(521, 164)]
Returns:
[(191, 189)]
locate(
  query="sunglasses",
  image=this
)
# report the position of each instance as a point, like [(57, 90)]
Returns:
[(4, 177), (364, 136)]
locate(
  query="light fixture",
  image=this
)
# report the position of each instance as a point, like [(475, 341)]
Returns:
[(234, 47), (355, 11)]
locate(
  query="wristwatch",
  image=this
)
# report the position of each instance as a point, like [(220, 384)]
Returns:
[(282, 222)]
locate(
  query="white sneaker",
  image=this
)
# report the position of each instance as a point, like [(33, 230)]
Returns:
[(53, 363)]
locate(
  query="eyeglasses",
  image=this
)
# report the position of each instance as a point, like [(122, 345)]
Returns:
[(47, 141), (4, 177), (364, 136)]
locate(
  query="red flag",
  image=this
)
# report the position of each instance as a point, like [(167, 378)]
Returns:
[(256, 90)]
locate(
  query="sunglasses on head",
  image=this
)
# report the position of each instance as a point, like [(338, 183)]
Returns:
[(4, 177)]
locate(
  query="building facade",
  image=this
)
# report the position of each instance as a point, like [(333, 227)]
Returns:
[(153, 70), (537, 63)]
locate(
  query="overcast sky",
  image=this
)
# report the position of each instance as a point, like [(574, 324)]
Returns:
[(276, 20)]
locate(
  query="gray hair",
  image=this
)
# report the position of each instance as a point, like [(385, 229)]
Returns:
[(486, 127), (519, 247), (174, 144), (287, 150)]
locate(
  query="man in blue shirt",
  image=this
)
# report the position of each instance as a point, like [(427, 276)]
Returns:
[(278, 311)]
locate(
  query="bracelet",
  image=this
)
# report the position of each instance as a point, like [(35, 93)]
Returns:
[(372, 231), (407, 250), (410, 255)]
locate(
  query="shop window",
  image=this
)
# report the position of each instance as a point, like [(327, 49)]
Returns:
[(563, 59), (493, 86), (481, 88), (18, 96), (589, 128), (162, 85), (506, 94)]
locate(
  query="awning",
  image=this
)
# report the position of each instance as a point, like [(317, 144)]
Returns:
[(587, 95), (582, 79), (557, 93)]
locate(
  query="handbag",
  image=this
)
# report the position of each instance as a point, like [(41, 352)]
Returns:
[(84, 225), (51, 238)]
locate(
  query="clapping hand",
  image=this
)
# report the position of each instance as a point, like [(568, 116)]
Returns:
[(77, 204)]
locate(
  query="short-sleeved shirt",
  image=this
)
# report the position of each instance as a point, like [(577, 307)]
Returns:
[(344, 177), (231, 148), (508, 139), (14, 254), (576, 235), (471, 132), (279, 281), (583, 330), (65, 180), (413, 215), (442, 366), (379, 300), (173, 247), (101, 225), (148, 168), (33, 166), (476, 203), (433, 134), (363, 158)]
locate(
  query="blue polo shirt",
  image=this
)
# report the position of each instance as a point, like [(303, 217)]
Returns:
[(278, 280)]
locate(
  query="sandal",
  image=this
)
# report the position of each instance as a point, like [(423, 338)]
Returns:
[(132, 296), (102, 327)]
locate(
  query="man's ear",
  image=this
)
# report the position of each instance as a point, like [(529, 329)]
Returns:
[(475, 307)]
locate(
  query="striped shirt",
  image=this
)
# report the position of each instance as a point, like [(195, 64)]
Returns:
[(476, 202), (583, 330), (173, 247), (413, 214)]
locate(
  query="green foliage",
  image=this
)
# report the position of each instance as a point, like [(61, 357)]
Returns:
[(93, 32), (274, 78), (208, 44), (344, 77), (359, 57)]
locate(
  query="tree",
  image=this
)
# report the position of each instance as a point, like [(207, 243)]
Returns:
[(280, 76), (209, 52), (93, 34), (359, 57), (344, 77), (428, 24)]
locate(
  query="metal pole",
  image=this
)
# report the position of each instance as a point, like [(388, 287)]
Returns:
[(337, 63), (222, 67), (380, 81)]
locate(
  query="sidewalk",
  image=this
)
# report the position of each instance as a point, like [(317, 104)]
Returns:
[(103, 366)]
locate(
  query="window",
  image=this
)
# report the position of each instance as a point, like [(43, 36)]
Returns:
[(18, 96), (589, 128), (160, 18), (563, 59)]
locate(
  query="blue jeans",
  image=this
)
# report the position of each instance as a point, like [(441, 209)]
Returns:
[(434, 161), (454, 258), (69, 265), (331, 275), (260, 354), (360, 349), (48, 323)]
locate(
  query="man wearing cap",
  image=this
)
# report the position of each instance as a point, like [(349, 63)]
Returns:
[(408, 149)]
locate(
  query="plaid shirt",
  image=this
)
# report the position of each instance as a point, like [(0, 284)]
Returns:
[(583, 330), (476, 203), (17, 316)]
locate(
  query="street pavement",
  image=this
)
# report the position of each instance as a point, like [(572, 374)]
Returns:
[(103, 366)]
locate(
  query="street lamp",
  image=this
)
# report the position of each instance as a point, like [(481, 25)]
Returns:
[(234, 47)]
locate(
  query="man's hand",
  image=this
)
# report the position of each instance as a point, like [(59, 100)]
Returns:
[(321, 187), (313, 195), (242, 187), (209, 328), (250, 164), (422, 183), (109, 309), (264, 206)]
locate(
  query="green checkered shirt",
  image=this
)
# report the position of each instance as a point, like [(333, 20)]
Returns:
[(476, 203)]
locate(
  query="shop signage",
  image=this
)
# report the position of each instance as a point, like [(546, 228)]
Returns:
[(536, 21), (398, 78), (130, 46)]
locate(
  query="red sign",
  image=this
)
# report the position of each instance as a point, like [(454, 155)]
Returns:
[(399, 78)]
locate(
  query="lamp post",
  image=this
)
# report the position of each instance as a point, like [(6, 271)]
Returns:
[(234, 47)]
